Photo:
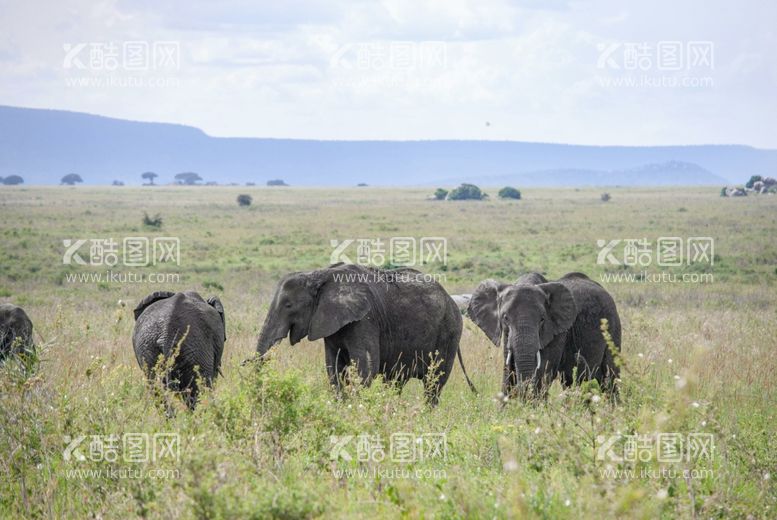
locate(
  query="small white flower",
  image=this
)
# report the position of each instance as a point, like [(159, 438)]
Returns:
[(595, 398), (640, 355), (442, 497), (767, 476), (537, 431), (704, 423), (567, 502), (676, 378), (695, 404), (662, 494), (669, 361)]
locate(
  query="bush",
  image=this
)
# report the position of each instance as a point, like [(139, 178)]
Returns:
[(508, 192), (154, 222), (466, 192), (605, 197), (277, 182), (71, 179), (723, 191), (752, 181), (12, 180), (244, 200), (440, 194)]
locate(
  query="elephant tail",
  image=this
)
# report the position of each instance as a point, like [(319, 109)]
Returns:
[(461, 362)]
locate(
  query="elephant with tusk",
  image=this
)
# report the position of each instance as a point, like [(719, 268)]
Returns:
[(548, 329)]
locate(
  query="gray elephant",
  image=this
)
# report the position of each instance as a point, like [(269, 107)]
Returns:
[(15, 331), (394, 323), (166, 321), (548, 329)]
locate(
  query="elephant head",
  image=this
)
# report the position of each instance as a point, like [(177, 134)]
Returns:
[(314, 304), (524, 317)]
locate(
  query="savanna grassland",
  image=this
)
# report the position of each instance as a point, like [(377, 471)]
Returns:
[(696, 358)]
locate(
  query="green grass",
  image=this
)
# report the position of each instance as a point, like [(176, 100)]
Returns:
[(259, 444)]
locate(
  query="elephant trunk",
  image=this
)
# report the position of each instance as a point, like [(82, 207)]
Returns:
[(273, 331), (525, 353)]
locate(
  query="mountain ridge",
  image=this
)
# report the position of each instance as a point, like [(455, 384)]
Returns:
[(42, 145)]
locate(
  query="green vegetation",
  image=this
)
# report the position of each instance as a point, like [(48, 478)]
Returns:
[(71, 179), (697, 357), (244, 200), (466, 192), (508, 192), (440, 194), (152, 222)]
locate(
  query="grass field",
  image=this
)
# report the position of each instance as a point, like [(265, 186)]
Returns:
[(699, 357)]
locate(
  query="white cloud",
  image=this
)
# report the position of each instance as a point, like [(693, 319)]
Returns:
[(303, 68)]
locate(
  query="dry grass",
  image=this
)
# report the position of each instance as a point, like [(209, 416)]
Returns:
[(259, 444)]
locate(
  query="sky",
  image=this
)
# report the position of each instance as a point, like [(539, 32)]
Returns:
[(601, 73)]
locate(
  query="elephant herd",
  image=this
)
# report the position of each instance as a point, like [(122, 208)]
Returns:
[(397, 323)]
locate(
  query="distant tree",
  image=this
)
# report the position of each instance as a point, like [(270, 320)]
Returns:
[(188, 178), (118, 183), (361, 185), (466, 192), (605, 197), (71, 179), (440, 194), (753, 180), (724, 191), (508, 192), (250, 184), (244, 200), (276, 182), (12, 180), (154, 222), (149, 176)]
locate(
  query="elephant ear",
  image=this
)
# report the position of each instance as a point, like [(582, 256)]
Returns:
[(483, 309), (148, 300), (338, 304), (561, 308), (216, 304)]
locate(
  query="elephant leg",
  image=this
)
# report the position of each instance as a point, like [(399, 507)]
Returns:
[(361, 342), (337, 361)]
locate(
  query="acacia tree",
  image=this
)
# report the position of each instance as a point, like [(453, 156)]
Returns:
[(188, 178), (150, 176), (71, 179)]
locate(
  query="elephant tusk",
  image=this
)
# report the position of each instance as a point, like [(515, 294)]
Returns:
[(539, 360), (509, 356)]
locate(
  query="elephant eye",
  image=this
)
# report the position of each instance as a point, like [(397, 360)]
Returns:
[(288, 305)]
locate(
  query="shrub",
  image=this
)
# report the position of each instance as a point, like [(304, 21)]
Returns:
[(12, 180), (466, 192), (440, 194), (753, 180), (154, 222), (277, 182), (605, 197), (118, 183), (244, 200), (508, 192), (71, 179)]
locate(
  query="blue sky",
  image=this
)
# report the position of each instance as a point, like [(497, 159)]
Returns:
[(609, 72)]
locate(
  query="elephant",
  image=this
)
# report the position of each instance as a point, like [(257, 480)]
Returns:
[(15, 331), (461, 301), (166, 322), (549, 329), (390, 322)]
